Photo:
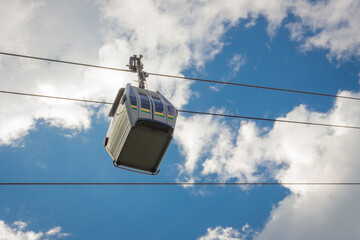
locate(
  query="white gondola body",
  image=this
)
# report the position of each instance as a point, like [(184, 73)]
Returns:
[(141, 128)]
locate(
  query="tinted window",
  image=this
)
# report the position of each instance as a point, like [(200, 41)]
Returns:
[(159, 108), (132, 97), (170, 109), (170, 112), (145, 103)]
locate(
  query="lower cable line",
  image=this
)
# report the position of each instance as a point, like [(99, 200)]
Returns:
[(187, 111)]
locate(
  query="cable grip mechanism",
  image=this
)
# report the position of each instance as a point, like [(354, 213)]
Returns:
[(136, 65)]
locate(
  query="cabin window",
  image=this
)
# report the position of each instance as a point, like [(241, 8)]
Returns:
[(133, 99), (159, 107), (145, 103), (170, 110)]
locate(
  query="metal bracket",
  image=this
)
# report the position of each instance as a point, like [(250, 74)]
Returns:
[(136, 65)]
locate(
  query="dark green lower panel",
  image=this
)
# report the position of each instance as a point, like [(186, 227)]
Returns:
[(144, 148)]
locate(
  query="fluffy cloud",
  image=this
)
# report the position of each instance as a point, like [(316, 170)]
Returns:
[(323, 156), (237, 61), (332, 25), (220, 233), (12, 40), (305, 154), (22, 19), (180, 35), (228, 233), (312, 216), (17, 231), (308, 153)]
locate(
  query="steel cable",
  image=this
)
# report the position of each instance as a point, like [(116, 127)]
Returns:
[(188, 111), (182, 77)]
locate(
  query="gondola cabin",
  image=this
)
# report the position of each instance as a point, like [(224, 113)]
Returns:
[(141, 129)]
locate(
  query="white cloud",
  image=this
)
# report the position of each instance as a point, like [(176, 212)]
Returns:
[(220, 233), (333, 25), (214, 88), (237, 61), (237, 154), (320, 213), (20, 225), (228, 233), (12, 26), (181, 34), (251, 23), (189, 133), (57, 231), (209, 147), (17, 232), (321, 156), (19, 114), (306, 154)]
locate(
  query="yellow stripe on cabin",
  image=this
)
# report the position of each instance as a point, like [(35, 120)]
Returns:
[(159, 114), (134, 107), (145, 110), (170, 116)]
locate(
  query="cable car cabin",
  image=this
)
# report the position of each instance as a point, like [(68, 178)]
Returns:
[(141, 129)]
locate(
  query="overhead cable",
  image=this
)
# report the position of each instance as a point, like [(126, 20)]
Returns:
[(269, 119), (182, 77), (188, 111), (176, 183), (254, 86), (66, 62), (54, 97)]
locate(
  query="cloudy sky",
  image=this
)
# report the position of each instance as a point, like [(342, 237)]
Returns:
[(296, 44)]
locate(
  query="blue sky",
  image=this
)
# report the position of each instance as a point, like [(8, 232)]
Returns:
[(303, 45)]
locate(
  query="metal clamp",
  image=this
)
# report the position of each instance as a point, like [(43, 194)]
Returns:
[(136, 65)]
